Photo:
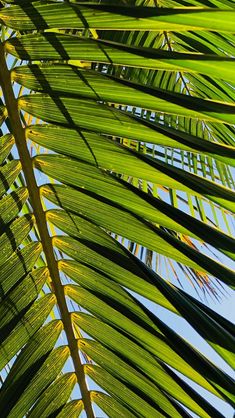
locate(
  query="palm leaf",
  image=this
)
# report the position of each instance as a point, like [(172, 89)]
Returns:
[(117, 127)]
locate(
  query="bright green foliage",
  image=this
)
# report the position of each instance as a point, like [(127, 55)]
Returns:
[(116, 181)]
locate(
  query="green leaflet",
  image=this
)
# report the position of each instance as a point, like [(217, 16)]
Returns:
[(84, 176), (14, 235), (91, 178), (94, 149), (79, 144), (48, 372), (78, 226), (210, 328), (19, 300), (61, 15), (70, 247), (18, 265), (54, 46), (26, 328), (150, 340), (79, 174), (71, 410), (67, 198), (127, 196), (54, 397), (99, 285), (70, 111), (206, 42), (110, 406), (104, 153), (139, 357), (138, 231), (6, 143), (121, 393), (168, 175), (92, 85), (103, 254), (226, 324), (29, 361), (8, 174), (129, 376), (105, 186), (218, 331), (10, 206), (98, 250)]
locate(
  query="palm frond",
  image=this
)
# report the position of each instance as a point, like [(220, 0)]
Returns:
[(116, 151)]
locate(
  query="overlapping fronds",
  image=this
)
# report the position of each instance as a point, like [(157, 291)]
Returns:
[(117, 156)]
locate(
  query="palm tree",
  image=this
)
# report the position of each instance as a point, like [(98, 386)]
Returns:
[(116, 150)]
